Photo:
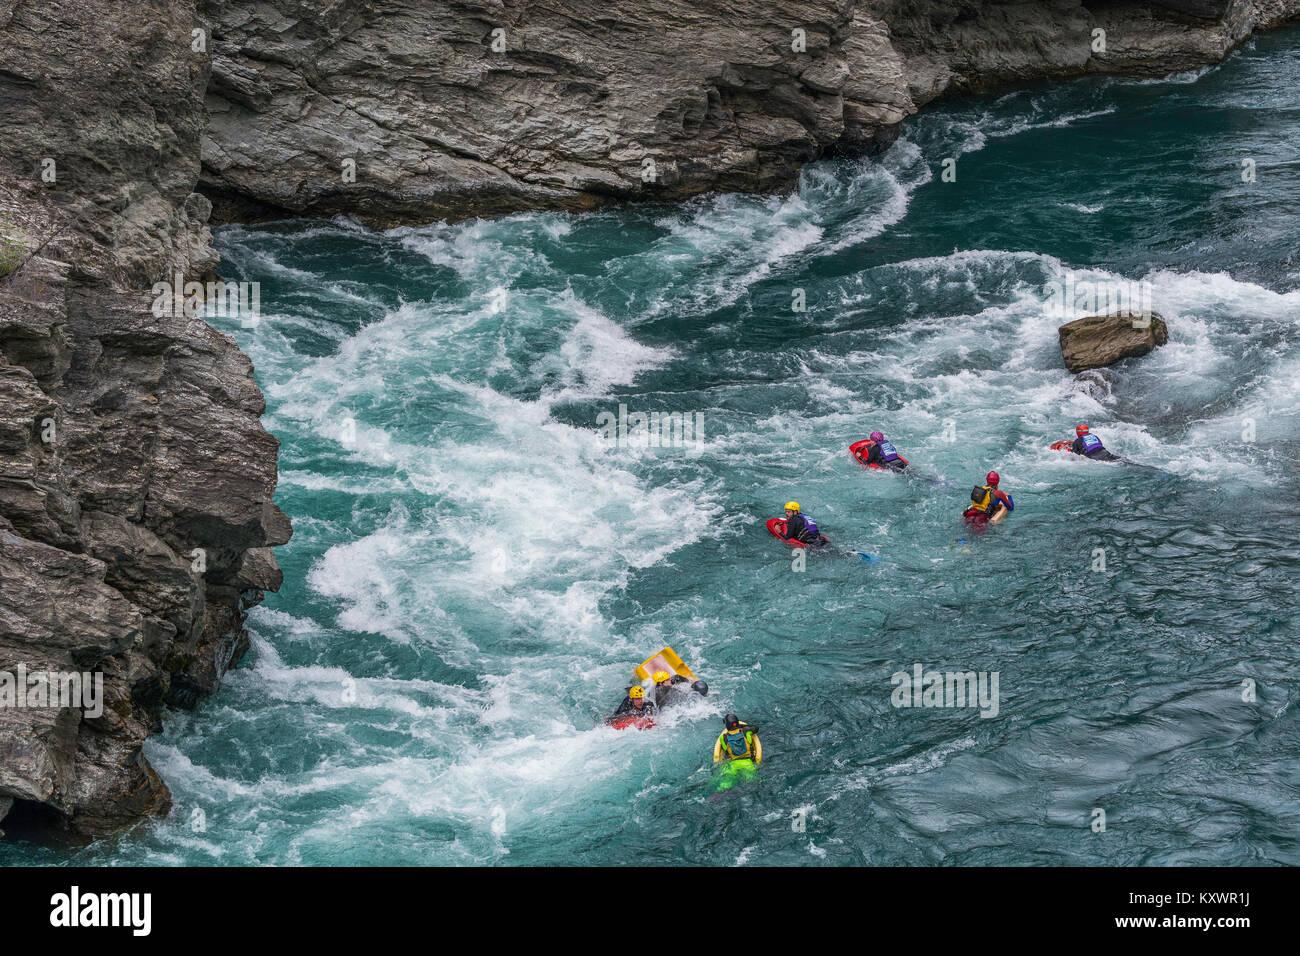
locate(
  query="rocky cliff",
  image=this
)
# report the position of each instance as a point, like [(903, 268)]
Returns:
[(135, 477), (474, 107), (136, 483)]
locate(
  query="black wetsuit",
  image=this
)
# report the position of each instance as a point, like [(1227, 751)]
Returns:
[(627, 707), (1097, 454), (796, 529), (665, 692)]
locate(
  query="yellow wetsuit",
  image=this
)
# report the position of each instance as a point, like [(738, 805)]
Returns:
[(753, 749)]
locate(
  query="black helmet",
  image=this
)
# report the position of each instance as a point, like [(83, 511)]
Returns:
[(700, 688), (731, 721)]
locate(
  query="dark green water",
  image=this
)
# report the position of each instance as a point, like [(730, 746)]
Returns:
[(475, 572)]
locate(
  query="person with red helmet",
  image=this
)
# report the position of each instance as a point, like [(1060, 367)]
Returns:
[(988, 504), (878, 452), (1088, 445)]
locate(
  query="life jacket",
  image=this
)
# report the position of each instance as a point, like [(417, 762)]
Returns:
[(811, 526), (982, 500), (738, 744), (888, 452), (1091, 443)]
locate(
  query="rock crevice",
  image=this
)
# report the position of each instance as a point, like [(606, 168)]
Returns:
[(455, 109), (135, 477), (136, 481)]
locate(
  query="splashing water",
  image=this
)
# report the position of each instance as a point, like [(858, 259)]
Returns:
[(475, 570)]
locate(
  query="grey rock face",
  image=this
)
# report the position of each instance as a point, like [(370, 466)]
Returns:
[(1101, 340), (456, 107), (136, 483), (129, 442), (1207, 9)]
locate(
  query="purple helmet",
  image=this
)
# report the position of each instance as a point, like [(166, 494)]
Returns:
[(877, 436)]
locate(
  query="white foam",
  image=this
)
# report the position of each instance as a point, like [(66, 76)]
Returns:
[(488, 252), (508, 532), (598, 355), (1181, 78), (714, 249), (972, 133)]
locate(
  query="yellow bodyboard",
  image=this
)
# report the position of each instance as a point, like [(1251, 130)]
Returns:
[(665, 660)]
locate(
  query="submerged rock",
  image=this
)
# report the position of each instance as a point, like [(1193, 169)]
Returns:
[(1101, 340)]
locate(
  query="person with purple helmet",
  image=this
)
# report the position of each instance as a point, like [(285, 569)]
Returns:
[(880, 452)]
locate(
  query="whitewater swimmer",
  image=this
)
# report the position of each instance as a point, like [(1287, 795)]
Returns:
[(668, 689), (634, 711), (878, 453), (738, 750), (799, 530), (1087, 445), (670, 673), (988, 504)]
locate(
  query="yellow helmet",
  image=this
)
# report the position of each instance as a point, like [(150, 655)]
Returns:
[(636, 692), (792, 506), (661, 676)]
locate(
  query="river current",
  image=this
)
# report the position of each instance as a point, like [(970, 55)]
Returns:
[(476, 569)]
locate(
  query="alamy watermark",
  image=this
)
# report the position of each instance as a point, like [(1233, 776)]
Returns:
[(684, 430), (22, 688), (74, 908), (951, 689), (236, 300)]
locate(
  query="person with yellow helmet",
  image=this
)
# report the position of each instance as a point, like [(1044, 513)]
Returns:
[(801, 527), (667, 688), (635, 704), (664, 686)]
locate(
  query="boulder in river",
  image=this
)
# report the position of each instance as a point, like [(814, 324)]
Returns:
[(1101, 340)]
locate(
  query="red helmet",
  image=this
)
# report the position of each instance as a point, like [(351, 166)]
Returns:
[(992, 479), (1081, 429)]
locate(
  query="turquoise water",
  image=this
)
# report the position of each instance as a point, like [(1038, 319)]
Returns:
[(475, 571)]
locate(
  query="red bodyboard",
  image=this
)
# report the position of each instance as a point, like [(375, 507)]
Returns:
[(776, 526), (856, 450), (631, 720)]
